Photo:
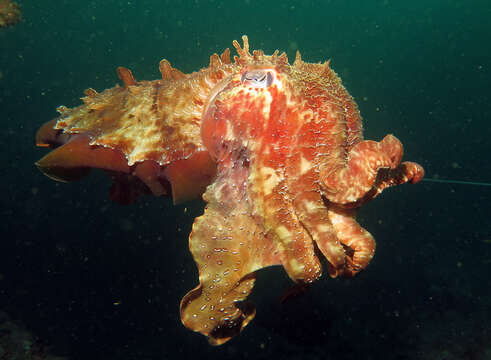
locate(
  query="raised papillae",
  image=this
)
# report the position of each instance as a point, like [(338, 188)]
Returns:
[(276, 150)]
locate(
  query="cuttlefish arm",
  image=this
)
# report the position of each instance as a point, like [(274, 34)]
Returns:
[(228, 244)]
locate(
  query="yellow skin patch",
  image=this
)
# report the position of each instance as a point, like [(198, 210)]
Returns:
[(270, 180), (283, 234), (305, 166)]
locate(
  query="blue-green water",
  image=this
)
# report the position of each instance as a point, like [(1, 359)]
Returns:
[(95, 280)]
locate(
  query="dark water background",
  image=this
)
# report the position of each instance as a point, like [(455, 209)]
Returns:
[(420, 70)]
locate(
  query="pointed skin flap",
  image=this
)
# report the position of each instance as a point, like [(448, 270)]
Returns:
[(74, 159)]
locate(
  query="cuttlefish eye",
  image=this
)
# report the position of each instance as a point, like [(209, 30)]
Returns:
[(257, 78)]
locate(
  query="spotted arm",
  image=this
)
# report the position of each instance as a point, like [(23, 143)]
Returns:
[(370, 168)]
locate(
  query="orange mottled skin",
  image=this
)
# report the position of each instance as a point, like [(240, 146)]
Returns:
[(9, 13), (289, 169)]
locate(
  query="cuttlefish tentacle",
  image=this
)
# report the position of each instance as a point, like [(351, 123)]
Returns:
[(269, 185), (229, 245), (356, 182), (359, 243)]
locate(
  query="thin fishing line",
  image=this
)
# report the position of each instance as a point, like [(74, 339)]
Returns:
[(457, 182)]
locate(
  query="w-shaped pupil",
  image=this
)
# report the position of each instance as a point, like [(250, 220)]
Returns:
[(257, 78)]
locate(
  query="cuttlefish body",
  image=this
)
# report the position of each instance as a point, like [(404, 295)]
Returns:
[(275, 149)]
